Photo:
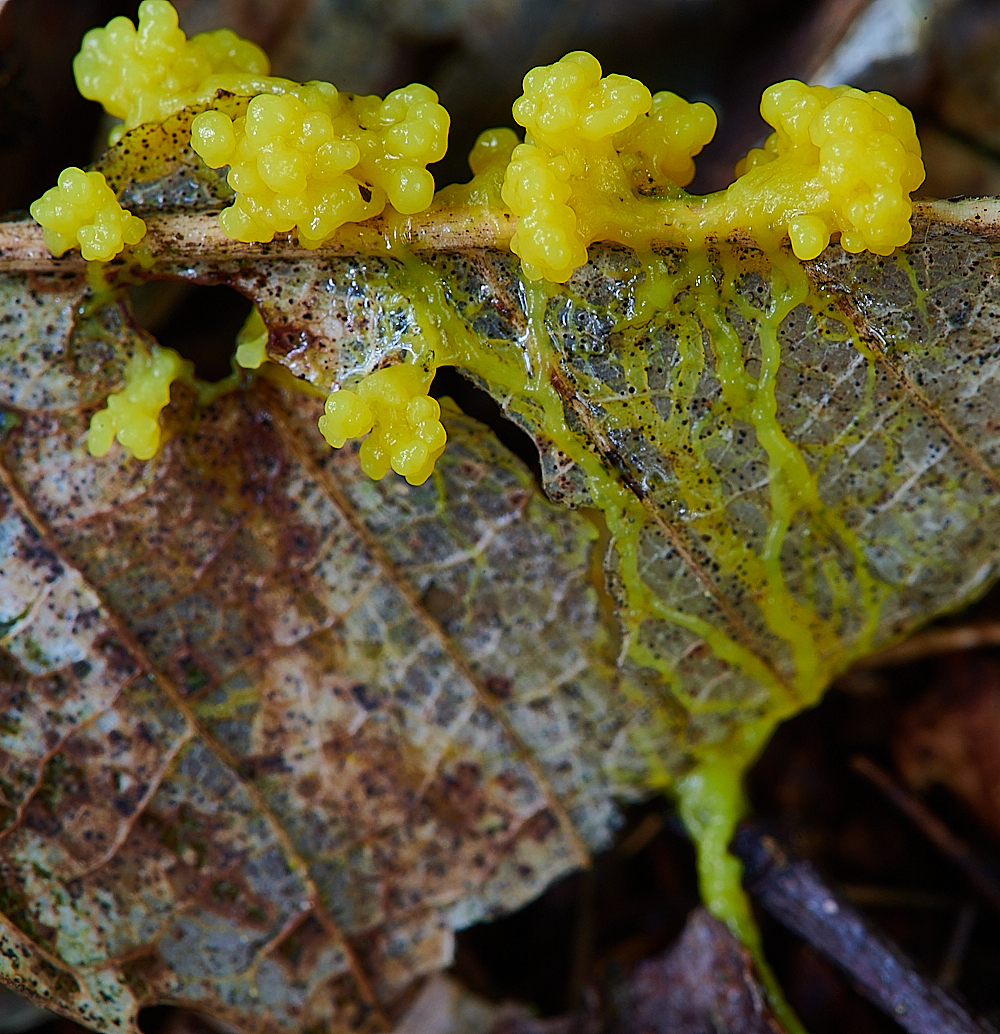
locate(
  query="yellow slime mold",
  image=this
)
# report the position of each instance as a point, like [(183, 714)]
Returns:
[(317, 159), (83, 210), (404, 422), (603, 159), (147, 73), (839, 160), (568, 183), (251, 342), (132, 415)]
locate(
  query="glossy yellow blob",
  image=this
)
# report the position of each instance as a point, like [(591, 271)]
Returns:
[(316, 159), (251, 342), (402, 421), (658, 149), (590, 144), (83, 211), (133, 414), (839, 160), (488, 160), (148, 72)]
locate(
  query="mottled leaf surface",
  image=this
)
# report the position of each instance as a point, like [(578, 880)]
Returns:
[(272, 731)]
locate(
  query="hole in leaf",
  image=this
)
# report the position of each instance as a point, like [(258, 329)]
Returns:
[(155, 1019), (162, 1019), (199, 321), (480, 406)]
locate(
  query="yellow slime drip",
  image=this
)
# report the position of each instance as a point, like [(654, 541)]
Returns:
[(251, 342), (133, 414), (83, 210)]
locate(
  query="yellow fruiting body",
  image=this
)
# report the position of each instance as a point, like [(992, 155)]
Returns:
[(251, 341), (132, 415), (589, 140), (315, 159), (658, 148), (488, 160), (839, 160), (83, 211), (402, 421), (146, 73)]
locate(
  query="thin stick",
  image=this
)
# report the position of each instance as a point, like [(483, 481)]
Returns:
[(794, 893), (933, 642), (197, 237), (956, 850), (958, 944)]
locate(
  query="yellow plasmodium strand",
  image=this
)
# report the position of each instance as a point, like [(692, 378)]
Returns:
[(82, 211), (315, 159), (402, 421), (698, 295), (132, 415)]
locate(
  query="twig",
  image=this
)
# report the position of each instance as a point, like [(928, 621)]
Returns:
[(794, 893), (196, 236), (186, 237), (933, 642), (956, 850), (957, 945)]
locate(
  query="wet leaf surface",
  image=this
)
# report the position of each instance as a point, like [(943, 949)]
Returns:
[(272, 730)]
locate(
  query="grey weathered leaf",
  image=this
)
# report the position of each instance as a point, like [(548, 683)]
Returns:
[(273, 731)]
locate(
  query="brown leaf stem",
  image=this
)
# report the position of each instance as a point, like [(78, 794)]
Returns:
[(176, 235), (793, 892)]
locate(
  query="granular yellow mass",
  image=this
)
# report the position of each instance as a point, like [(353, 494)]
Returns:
[(402, 421), (839, 159), (603, 160), (569, 183), (83, 211), (132, 415), (145, 73), (315, 159)]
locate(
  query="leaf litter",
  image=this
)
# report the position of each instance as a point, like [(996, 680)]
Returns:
[(58, 503)]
